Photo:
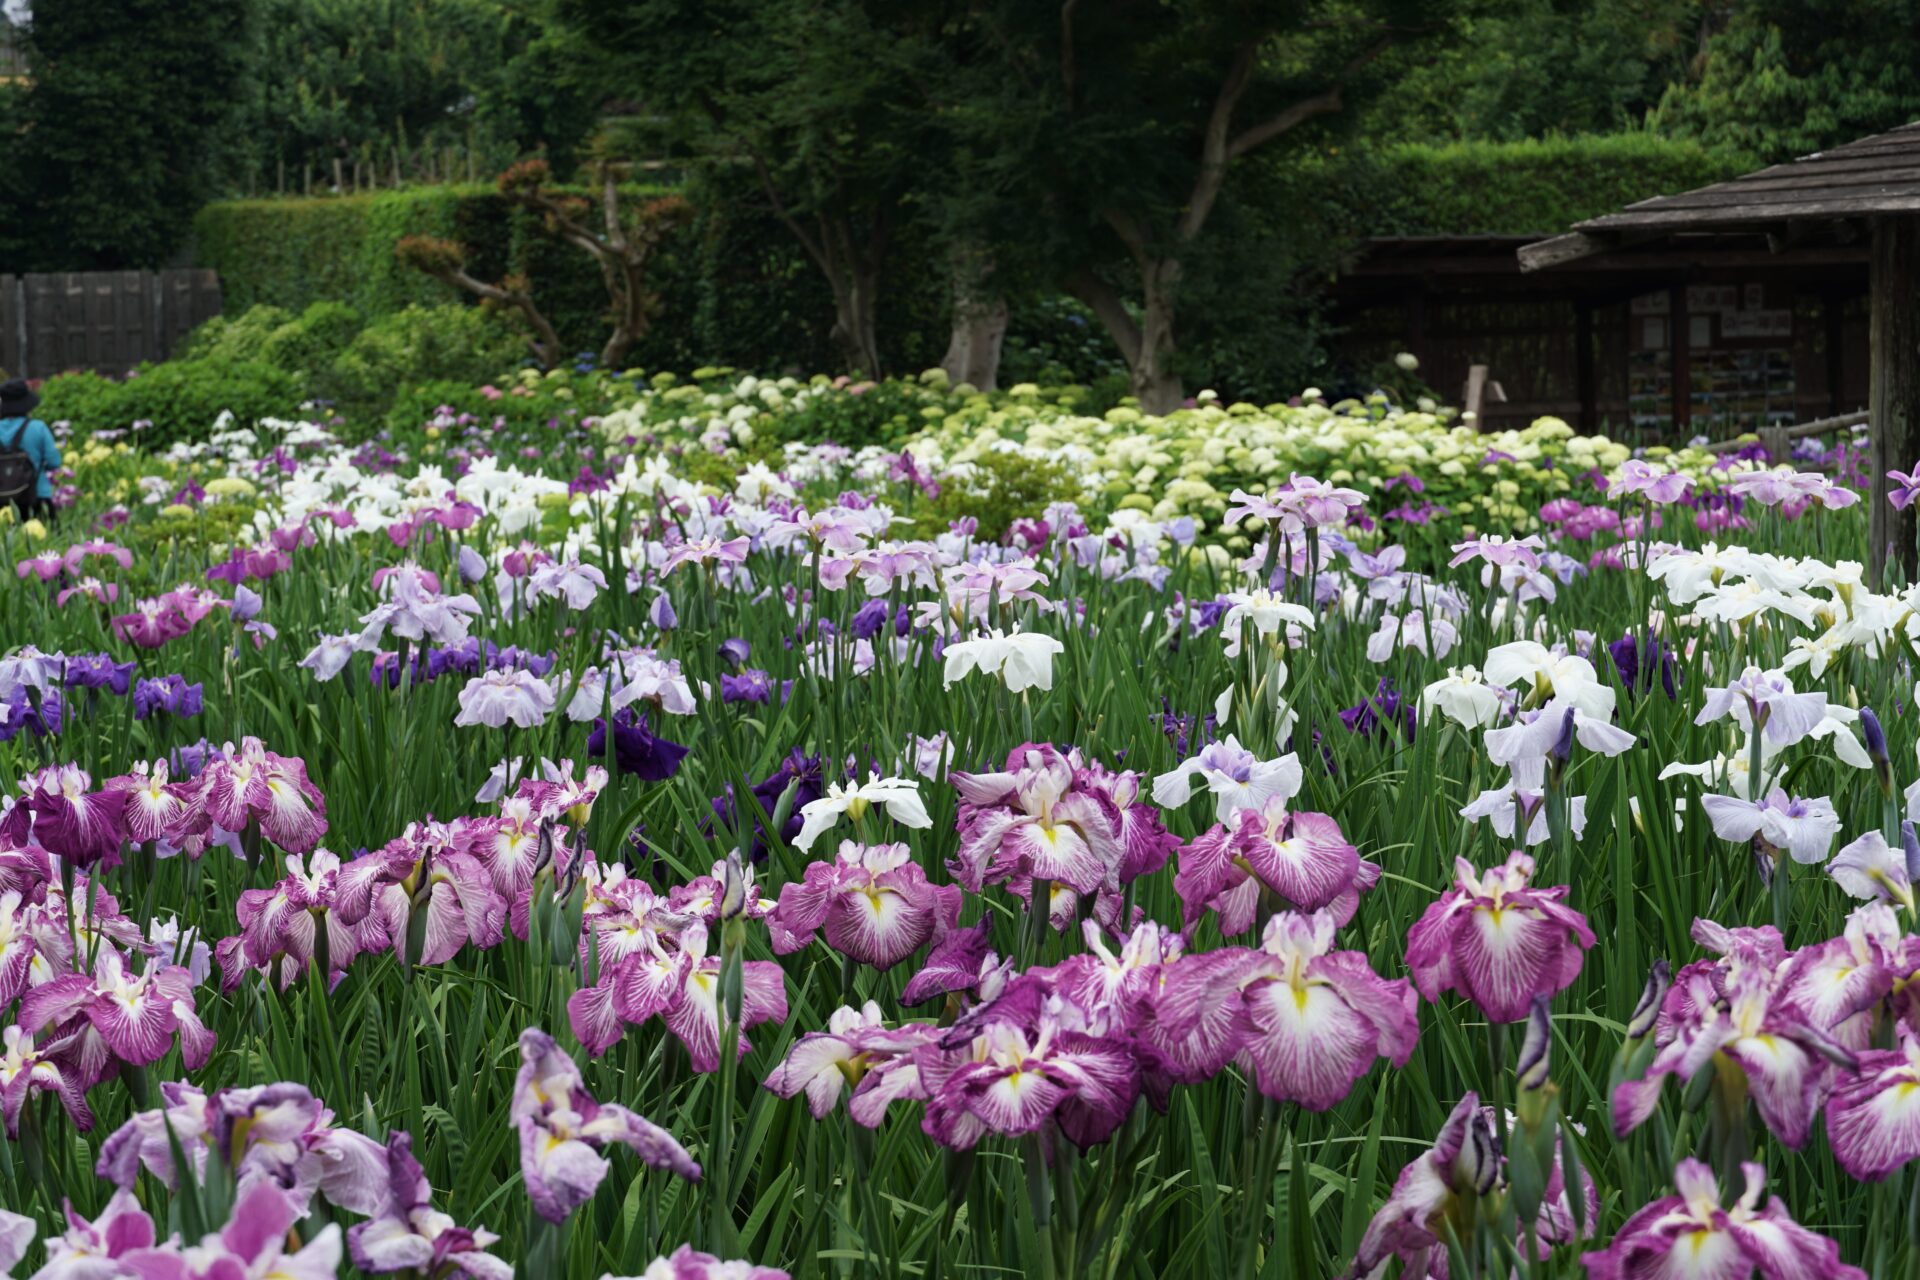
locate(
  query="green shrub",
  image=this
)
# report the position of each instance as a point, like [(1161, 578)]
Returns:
[(312, 343), (416, 345), (240, 335), (873, 413), (1003, 488), (181, 399)]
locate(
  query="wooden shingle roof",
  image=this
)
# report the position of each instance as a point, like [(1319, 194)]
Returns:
[(1876, 175)]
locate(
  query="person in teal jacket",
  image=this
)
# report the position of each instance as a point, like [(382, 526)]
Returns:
[(20, 430)]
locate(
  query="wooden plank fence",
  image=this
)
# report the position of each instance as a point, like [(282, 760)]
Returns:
[(105, 321)]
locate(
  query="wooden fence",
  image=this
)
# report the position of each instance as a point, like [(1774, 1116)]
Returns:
[(106, 321)]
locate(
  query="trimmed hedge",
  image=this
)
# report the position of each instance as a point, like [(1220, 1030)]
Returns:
[(293, 252), (1539, 186)]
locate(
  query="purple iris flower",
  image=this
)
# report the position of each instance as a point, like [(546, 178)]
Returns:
[(462, 659), (538, 664), (1497, 940), (39, 716), (868, 619), (873, 902), (1179, 729), (735, 650), (409, 1235), (132, 1018), (751, 685), (185, 763), (809, 783), (171, 694), (1636, 675), (1310, 1021), (1697, 1231), (1384, 711), (386, 669), (635, 748), (99, 671)]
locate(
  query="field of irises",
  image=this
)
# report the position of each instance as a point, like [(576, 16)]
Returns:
[(400, 837)]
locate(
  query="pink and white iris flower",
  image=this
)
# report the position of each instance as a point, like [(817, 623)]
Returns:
[(409, 1234), (563, 1130), (1300, 859), (873, 902), (856, 1049), (127, 1018), (1497, 940), (1690, 1234)]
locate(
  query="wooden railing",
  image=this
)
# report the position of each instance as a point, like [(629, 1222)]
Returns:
[(1779, 440)]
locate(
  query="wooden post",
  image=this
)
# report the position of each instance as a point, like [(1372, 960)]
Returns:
[(1894, 402), (1585, 384), (1681, 360), (1475, 394)]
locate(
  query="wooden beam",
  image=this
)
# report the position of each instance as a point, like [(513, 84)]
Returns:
[(1894, 404), (1753, 216), (1543, 254)]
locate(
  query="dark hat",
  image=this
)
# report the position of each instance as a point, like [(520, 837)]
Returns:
[(17, 399)]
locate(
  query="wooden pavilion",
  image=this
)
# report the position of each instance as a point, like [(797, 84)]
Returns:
[(1866, 193), (1697, 335)]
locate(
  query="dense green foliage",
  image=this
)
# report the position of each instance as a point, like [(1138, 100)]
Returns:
[(737, 289), (178, 400), (112, 155), (1767, 78), (1786, 78), (734, 286), (266, 361), (417, 86)]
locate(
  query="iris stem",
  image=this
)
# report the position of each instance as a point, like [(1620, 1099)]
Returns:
[(1040, 1200)]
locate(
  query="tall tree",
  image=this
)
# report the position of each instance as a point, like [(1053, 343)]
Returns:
[(126, 99), (799, 95), (1781, 78), (400, 84), (1540, 67), (1127, 120)]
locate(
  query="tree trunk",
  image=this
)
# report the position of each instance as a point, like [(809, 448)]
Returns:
[(856, 324), (1154, 382), (979, 322), (1894, 401), (630, 313)]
